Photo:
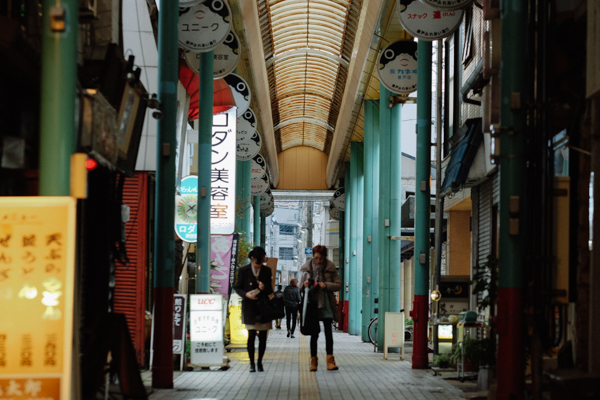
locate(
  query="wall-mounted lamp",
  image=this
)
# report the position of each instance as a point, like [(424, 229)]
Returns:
[(57, 19)]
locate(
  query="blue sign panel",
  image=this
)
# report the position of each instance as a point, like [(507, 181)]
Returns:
[(186, 209), (308, 251)]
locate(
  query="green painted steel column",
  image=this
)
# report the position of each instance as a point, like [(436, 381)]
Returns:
[(420, 312), (375, 212), (347, 244), (395, 208), (256, 207), (58, 91), (385, 176), (511, 262), (204, 162), (243, 199), (263, 230), (367, 241), (342, 255), (162, 368), (355, 303), (360, 182)]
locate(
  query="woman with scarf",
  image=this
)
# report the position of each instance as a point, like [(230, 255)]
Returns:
[(254, 282), (321, 277)]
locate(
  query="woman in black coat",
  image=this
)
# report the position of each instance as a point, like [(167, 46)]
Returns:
[(254, 282)]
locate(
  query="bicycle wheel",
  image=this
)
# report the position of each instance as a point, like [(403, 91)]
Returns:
[(372, 330)]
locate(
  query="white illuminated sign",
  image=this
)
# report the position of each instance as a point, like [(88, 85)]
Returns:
[(222, 204), (206, 329)]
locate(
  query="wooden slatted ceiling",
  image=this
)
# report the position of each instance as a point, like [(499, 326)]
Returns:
[(130, 293), (307, 46)]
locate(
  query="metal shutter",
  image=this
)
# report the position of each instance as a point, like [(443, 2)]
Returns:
[(484, 219), (130, 286)]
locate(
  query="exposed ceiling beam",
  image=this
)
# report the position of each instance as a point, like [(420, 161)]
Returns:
[(261, 83), (306, 52), (307, 120), (370, 15)]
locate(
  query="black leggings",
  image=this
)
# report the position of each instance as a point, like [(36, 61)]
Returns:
[(262, 344), (327, 324), (290, 313)]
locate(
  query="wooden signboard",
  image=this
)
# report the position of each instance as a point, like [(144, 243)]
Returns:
[(272, 263)]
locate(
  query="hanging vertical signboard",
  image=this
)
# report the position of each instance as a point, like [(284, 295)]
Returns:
[(204, 26), (235, 240), (447, 4), (397, 67), (222, 204), (37, 257), (426, 22), (206, 329), (221, 253), (179, 324), (186, 210), (226, 58), (241, 92)]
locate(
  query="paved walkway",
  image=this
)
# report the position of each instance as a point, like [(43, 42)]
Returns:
[(363, 374)]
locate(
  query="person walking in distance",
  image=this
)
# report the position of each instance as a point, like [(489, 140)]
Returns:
[(254, 282), (326, 280), (278, 294), (292, 299)]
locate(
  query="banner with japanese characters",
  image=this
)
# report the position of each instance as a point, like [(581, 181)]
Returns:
[(426, 22), (179, 324), (37, 256), (222, 205), (221, 254), (397, 67)]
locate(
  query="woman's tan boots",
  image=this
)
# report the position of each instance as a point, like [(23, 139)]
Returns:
[(314, 361), (331, 363)]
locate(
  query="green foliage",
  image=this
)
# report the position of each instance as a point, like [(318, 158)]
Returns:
[(477, 351), (244, 249), (485, 283), (408, 322), (441, 360)]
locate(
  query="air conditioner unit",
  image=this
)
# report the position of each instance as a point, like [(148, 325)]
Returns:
[(88, 8)]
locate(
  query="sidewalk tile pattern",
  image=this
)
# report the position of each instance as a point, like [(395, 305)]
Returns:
[(363, 374)]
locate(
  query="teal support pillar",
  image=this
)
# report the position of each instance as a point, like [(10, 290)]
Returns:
[(367, 242), (347, 240), (342, 255), (390, 158), (360, 206), (375, 212), (164, 257), (204, 162), (58, 91), (355, 304), (243, 202), (511, 262), (256, 207), (263, 230), (395, 209), (420, 312)]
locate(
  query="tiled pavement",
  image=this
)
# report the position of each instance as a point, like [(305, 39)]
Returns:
[(363, 374)]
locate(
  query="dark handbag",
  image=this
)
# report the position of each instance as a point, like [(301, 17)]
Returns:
[(271, 307), (309, 316)]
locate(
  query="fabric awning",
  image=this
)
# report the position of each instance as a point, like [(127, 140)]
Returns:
[(223, 99), (462, 156)]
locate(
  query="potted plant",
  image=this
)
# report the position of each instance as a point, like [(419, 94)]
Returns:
[(441, 361), (471, 354)]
